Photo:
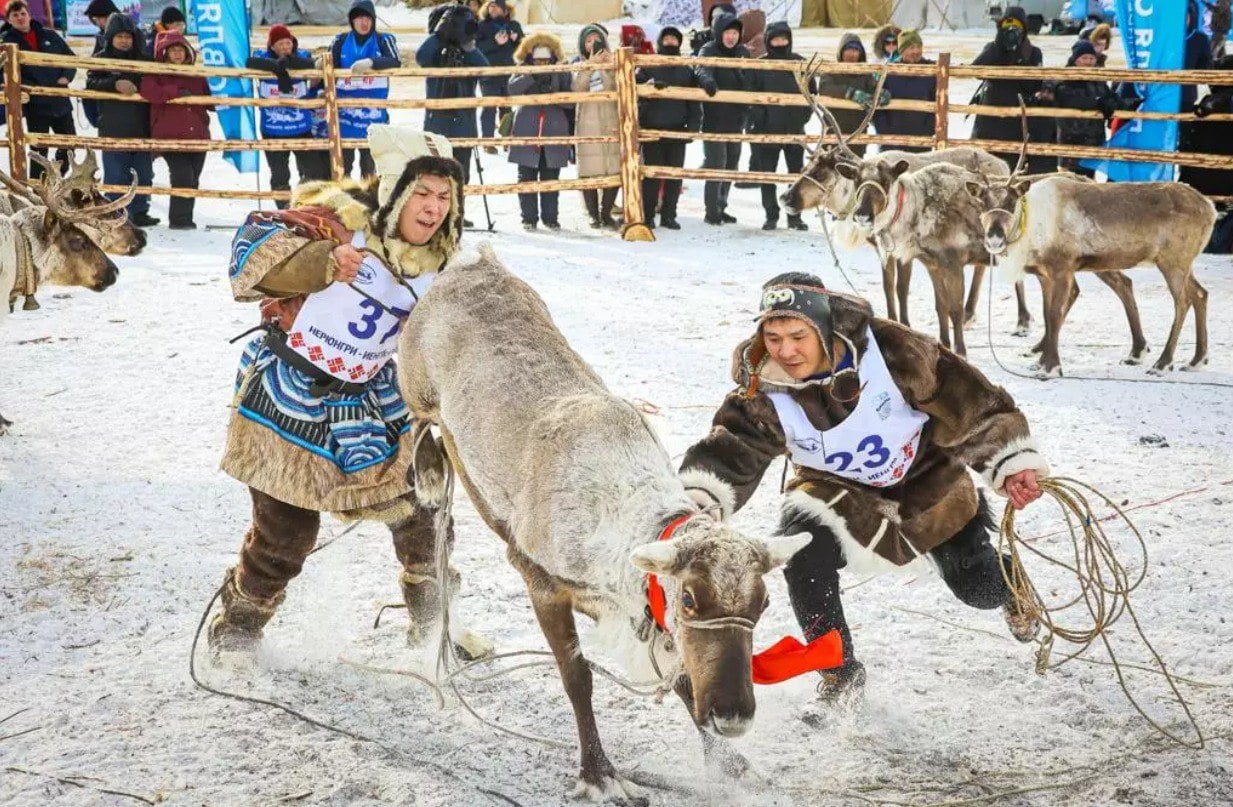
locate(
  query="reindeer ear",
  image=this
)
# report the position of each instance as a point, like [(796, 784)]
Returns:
[(1020, 186), (899, 169), (781, 548), (848, 170), (655, 558), (975, 188)]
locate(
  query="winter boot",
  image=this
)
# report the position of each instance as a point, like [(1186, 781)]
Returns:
[(591, 198), (725, 218), (423, 598), (844, 684), (238, 628), (795, 223), (607, 202), (770, 224)]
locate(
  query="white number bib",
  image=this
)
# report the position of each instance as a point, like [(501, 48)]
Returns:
[(875, 445), (350, 336), (363, 83)]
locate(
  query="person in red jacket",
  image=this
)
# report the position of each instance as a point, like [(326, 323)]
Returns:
[(178, 122)]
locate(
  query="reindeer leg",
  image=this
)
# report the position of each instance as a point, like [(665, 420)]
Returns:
[(954, 300), (888, 287), (597, 779), (716, 750), (1124, 288), (902, 287), (1057, 296), (1070, 303), (969, 308), (1198, 299), (1024, 326), (1177, 278), (940, 304), (4, 425)]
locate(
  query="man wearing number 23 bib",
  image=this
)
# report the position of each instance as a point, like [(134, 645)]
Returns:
[(318, 422), (881, 424)]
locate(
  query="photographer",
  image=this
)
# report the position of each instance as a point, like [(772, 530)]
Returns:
[(1011, 46), (452, 44), (595, 120), (540, 163), (499, 36), (1087, 95)]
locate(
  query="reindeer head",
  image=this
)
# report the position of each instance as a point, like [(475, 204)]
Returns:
[(874, 180), (820, 183), (999, 204), (712, 576), (114, 233), (62, 251)]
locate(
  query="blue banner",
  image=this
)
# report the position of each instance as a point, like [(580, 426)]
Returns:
[(1154, 35), (222, 35)]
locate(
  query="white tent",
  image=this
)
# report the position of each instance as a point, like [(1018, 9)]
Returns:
[(940, 14)]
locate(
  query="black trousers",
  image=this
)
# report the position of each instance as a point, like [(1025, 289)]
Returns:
[(42, 124), (367, 166), (538, 207), (662, 152), (184, 169), (310, 165), (967, 562), (463, 156), (765, 157), (719, 155)]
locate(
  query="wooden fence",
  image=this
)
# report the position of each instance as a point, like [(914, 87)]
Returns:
[(626, 97)]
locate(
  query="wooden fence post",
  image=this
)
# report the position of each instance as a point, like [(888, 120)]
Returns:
[(331, 116), (631, 159), (941, 123), (12, 114)]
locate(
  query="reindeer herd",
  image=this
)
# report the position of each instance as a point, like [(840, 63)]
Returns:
[(960, 207)]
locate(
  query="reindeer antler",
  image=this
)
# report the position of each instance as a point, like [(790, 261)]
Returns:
[(1023, 120), (19, 188), (54, 189), (82, 175), (827, 117)]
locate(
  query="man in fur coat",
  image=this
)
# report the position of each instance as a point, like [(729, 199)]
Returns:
[(882, 424), (318, 422)]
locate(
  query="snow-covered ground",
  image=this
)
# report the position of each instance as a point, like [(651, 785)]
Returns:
[(116, 526)]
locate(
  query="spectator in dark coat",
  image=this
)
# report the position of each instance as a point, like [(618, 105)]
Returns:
[(498, 38), (452, 44), (540, 163), (282, 53), (121, 40), (858, 87), (1198, 52), (886, 44), (1087, 95), (169, 19), (175, 122), (670, 115), (363, 49), (722, 118), (777, 120), (43, 113), (1101, 37), (700, 39), (1212, 137), (911, 88), (1011, 46)]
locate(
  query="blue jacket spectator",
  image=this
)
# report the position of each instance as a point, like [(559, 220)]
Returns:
[(283, 53), (362, 50), (498, 38), (452, 44), (43, 113)]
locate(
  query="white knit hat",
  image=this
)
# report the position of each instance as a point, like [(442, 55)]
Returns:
[(394, 146)]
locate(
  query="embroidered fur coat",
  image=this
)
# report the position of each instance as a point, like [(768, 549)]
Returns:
[(972, 424)]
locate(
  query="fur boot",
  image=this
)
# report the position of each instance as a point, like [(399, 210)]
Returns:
[(238, 627), (606, 205), (423, 598), (591, 198)]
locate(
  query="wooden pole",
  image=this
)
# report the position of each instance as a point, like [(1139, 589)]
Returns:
[(331, 117), (635, 228), (941, 121), (12, 113)]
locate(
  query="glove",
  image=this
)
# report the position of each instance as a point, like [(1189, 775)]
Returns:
[(710, 87), (658, 84), (884, 98), (859, 96), (285, 85), (362, 66), (126, 87)]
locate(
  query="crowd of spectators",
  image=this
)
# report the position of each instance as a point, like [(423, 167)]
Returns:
[(482, 34)]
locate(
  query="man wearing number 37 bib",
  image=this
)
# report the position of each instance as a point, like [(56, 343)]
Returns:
[(881, 424), (318, 423)]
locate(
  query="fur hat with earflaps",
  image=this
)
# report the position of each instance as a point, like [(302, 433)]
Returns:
[(402, 155), (835, 316)]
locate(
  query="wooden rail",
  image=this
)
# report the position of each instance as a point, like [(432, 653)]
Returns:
[(627, 96)]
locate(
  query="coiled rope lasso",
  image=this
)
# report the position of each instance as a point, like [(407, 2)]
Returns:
[(1105, 584)]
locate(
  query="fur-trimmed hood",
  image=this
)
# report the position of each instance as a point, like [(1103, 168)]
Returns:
[(358, 208), (542, 39)]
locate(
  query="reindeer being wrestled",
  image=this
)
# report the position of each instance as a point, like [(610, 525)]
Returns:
[(45, 243), (114, 233), (576, 483)]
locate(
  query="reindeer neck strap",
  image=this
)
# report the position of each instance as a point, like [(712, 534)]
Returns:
[(656, 597), (1020, 222), (899, 200)]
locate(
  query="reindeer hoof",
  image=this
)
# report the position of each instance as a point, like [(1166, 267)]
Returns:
[(1159, 369), (1021, 331), (1195, 365), (1132, 360), (4, 426), (1046, 373), (30, 304), (969, 321), (611, 789)]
